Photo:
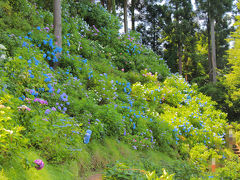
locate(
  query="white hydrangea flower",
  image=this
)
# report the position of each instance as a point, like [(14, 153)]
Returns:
[(2, 47), (9, 131), (3, 56)]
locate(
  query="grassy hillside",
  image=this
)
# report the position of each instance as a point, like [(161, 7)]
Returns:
[(107, 83)]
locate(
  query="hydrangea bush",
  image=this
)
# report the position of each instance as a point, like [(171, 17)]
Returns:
[(124, 91)]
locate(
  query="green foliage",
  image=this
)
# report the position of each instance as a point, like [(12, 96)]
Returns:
[(146, 169), (98, 18), (10, 132), (20, 167), (58, 135), (231, 80), (14, 12), (175, 102), (106, 83), (165, 176), (122, 171), (221, 7)]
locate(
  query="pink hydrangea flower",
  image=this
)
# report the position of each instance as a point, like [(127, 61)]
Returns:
[(23, 107), (36, 99), (39, 163), (43, 101), (28, 109), (28, 99)]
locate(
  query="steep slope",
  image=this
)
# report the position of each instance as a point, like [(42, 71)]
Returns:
[(105, 82)]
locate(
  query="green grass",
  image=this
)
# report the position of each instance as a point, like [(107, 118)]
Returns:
[(13, 169), (93, 158)]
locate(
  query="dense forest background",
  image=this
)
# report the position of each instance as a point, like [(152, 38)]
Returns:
[(193, 37)]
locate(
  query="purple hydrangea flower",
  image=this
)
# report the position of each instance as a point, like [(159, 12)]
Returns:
[(64, 97), (39, 163), (45, 102), (47, 111), (36, 99)]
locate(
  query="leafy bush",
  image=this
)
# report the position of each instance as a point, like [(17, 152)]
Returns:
[(128, 170), (10, 132), (231, 80), (106, 83), (122, 171)]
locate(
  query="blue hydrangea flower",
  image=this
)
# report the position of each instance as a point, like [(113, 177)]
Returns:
[(64, 97), (47, 111), (87, 137)]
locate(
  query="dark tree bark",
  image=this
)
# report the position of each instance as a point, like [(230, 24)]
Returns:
[(133, 14), (125, 17), (57, 25), (179, 44), (186, 67), (109, 5), (214, 64), (113, 7), (209, 50), (102, 2), (179, 54)]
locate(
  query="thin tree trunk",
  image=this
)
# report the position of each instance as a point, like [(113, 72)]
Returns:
[(125, 17), (154, 36), (179, 50), (186, 67), (113, 7), (179, 44), (102, 2), (109, 5), (209, 49), (214, 64), (133, 14), (57, 25), (179, 54)]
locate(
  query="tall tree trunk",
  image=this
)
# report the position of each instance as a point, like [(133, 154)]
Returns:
[(102, 2), (109, 5), (214, 64), (133, 14), (186, 67), (113, 7), (125, 17), (179, 50), (154, 36), (179, 54), (209, 49), (57, 18)]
